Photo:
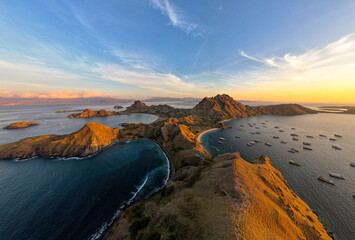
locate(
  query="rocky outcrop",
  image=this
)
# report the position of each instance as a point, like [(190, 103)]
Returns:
[(118, 107), (87, 113), (88, 140), (22, 124), (284, 109)]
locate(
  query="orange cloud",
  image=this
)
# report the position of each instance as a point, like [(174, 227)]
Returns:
[(55, 94)]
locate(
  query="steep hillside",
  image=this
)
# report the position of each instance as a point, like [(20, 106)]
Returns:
[(284, 109), (222, 107), (88, 140)]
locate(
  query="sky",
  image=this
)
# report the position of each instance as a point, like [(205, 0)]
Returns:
[(271, 50)]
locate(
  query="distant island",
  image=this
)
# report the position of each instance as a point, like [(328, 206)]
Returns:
[(118, 107), (22, 124), (222, 198)]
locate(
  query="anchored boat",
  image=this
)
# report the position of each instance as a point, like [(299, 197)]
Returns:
[(336, 147), (336, 175), (307, 148), (294, 163), (337, 135), (268, 144), (323, 179)]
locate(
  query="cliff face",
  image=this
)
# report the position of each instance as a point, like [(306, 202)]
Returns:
[(87, 113), (88, 140), (22, 124), (284, 109), (222, 107)]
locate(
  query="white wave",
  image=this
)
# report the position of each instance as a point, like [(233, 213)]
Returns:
[(102, 229)]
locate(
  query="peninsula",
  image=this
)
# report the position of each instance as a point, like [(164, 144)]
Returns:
[(207, 198)]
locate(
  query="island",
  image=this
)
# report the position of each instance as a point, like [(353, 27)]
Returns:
[(87, 113), (22, 124), (206, 198)]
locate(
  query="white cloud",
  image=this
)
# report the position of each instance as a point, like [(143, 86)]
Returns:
[(327, 65), (176, 18)]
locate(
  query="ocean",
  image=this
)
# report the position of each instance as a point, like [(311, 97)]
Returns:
[(333, 203), (74, 198)]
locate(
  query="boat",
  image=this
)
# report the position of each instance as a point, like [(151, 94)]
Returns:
[(258, 133), (294, 135), (309, 136), (276, 137), (256, 127), (252, 143), (332, 139), (294, 163), (268, 144), (241, 125), (336, 175), (294, 149), (239, 129), (256, 140), (293, 128), (223, 139), (283, 142), (295, 139), (237, 136), (266, 120), (337, 135), (263, 123), (352, 164), (336, 147), (220, 142), (306, 143), (307, 148), (252, 133), (291, 151), (353, 195), (322, 135), (281, 130), (323, 179), (264, 126), (277, 127), (248, 144)]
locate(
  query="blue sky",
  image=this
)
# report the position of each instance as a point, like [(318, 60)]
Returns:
[(175, 48)]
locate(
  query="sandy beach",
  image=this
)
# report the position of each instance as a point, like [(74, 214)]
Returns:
[(200, 135)]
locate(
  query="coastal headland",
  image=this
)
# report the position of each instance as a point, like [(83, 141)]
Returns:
[(208, 198)]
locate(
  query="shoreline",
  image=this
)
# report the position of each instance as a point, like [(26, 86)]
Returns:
[(201, 134)]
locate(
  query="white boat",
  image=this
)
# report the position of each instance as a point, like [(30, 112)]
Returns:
[(237, 136), (248, 144), (220, 142), (223, 139), (352, 164), (252, 133), (268, 144), (256, 140), (336, 175)]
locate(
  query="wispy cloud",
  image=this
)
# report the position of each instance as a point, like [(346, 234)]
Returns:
[(325, 66), (177, 18)]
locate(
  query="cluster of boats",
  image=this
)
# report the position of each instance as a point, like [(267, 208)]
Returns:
[(306, 146)]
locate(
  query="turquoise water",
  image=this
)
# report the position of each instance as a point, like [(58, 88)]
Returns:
[(334, 204), (77, 198)]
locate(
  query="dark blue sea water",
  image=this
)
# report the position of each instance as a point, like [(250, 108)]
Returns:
[(76, 198), (334, 204)]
